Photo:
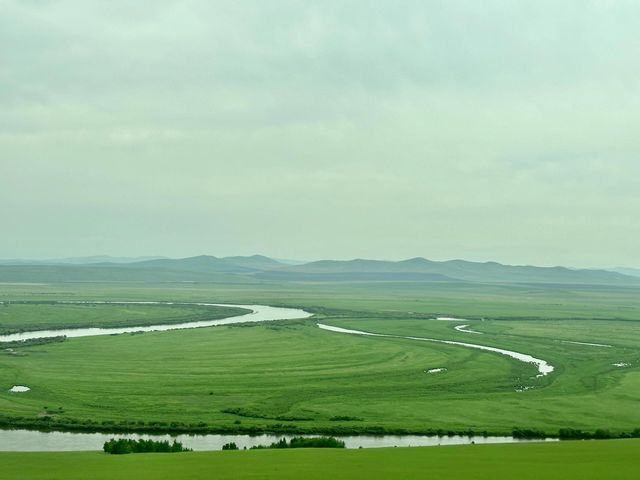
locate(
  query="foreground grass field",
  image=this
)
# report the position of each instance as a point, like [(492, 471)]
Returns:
[(609, 459), (292, 375)]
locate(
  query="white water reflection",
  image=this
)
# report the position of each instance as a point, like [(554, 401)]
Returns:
[(19, 389), (465, 329), (544, 368)]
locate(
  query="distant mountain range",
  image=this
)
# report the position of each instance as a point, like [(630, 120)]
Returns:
[(207, 263), (634, 272), (258, 268), (452, 270)]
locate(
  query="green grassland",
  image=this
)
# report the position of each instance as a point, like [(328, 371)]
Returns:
[(470, 300), (293, 376), (18, 317), (608, 459)]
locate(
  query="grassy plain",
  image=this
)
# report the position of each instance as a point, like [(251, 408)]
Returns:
[(17, 317), (294, 374), (608, 459), (471, 300)]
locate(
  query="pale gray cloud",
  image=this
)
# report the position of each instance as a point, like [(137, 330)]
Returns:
[(498, 130)]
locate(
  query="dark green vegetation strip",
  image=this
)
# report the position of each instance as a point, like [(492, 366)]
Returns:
[(608, 459), (295, 442), (124, 446)]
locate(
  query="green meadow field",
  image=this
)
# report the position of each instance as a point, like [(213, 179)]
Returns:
[(18, 317), (293, 376), (579, 460)]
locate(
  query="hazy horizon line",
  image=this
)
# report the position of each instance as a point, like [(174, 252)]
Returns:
[(305, 260)]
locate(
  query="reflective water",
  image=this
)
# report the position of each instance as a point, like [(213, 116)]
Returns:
[(19, 389), (465, 329), (259, 313), (32, 441)]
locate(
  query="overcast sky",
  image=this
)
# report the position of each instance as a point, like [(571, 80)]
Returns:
[(485, 130)]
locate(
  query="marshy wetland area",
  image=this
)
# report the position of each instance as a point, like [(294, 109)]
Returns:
[(372, 362)]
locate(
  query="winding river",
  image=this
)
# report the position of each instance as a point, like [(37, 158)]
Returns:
[(465, 329), (544, 368), (29, 440), (259, 313)]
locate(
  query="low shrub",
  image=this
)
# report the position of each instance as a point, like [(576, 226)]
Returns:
[(305, 442), (126, 445)]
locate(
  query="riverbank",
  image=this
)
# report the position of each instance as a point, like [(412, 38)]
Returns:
[(53, 424), (43, 437)]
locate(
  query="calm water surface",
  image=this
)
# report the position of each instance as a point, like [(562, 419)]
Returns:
[(32, 441)]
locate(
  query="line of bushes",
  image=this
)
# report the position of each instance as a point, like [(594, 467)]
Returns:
[(528, 433), (305, 442), (574, 434), (55, 422), (295, 442), (126, 445), (31, 341), (599, 434)]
